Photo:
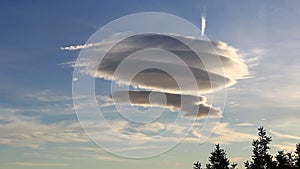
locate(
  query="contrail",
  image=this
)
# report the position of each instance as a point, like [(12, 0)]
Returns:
[(78, 47), (203, 24)]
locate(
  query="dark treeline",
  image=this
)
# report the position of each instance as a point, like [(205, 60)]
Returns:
[(261, 158)]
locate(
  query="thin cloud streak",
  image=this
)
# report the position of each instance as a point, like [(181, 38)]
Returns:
[(36, 164), (287, 136), (286, 146), (203, 25), (245, 124), (78, 47), (224, 134)]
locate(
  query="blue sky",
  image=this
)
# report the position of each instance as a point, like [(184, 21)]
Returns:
[(39, 128)]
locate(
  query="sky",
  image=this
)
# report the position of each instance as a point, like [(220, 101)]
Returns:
[(39, 127)]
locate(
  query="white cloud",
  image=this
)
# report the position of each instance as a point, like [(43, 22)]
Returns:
[(74, 79), (244, 124), (78, 47), (253, 56)]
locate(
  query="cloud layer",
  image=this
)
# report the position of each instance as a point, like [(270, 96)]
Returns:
[(211, 69), (172, 65), (194, 106)]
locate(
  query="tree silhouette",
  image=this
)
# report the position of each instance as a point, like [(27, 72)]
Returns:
[(219, 160), (297, 157), (197, 165), (261, 159), (233, 165), (284, 160)]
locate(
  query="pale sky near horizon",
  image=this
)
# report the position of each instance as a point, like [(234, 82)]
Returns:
[(39, 128)]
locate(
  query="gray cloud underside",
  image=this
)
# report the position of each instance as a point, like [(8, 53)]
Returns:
[(193, 106), (159, 80), (208, 52), (211, 69)]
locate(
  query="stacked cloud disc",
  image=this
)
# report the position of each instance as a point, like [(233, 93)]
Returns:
[(167, 70)]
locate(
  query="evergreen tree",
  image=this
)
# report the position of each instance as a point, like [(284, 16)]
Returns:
[(218, 159), (297, 157), (261, 159), (284, 161), (291, 160), (233, 165), (197, 165), (247, 165)]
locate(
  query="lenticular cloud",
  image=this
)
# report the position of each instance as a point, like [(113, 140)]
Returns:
[(193, 106), (169, 65)]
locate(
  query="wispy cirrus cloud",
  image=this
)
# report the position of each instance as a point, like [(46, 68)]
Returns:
[(244, 124), (226, 134), (38, 164), (115, 37), (32, 133), (253, 56), (282, 135), (287, 146), (28, 131)]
